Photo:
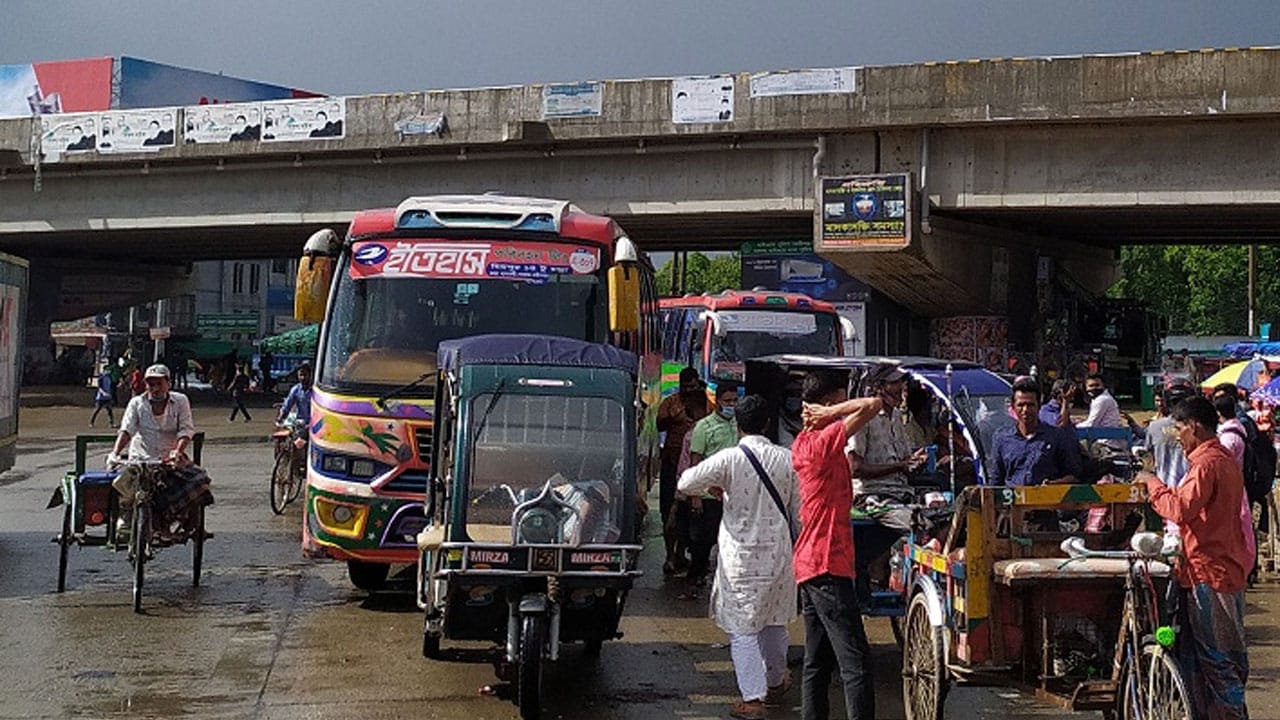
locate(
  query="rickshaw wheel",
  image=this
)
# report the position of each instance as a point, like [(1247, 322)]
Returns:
[(1164, 695), (197, 548), (140, 539), (532, 637), (924, 673), (64, 548), (281, 480)]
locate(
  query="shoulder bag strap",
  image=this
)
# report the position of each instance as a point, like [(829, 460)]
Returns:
[(770, 488)]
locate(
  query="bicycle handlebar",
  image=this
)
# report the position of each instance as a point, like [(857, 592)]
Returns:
[(1144, 546)]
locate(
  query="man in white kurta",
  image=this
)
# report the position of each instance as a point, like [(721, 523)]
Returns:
[(753, 597)]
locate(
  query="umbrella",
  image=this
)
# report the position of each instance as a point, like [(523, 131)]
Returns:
[(1269, 393), (1242, 374)]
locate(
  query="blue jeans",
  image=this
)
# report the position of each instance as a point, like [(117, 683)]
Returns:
[(835, 640)]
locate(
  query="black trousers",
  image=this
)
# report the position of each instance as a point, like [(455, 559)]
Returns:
[(835, 640), (704, 527), (239, 408)]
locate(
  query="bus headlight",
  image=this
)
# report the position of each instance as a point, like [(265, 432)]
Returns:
[(336, 464), (363, 468)]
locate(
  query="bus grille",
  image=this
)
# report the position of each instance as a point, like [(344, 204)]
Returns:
[(422, 435)]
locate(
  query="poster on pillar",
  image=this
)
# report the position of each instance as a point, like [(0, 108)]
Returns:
[(131, 131), (864, 212)]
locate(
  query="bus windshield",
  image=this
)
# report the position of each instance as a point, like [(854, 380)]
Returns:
[(746, 334), (383, 331)]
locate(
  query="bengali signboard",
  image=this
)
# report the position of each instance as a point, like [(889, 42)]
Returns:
[(702, 99), (584, 99), (820, 81), (147, 130), (293, 120), (864, 212), (235, 122), (221, 325), (531, 262)]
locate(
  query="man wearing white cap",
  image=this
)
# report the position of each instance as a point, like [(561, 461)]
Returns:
[(155, 432)]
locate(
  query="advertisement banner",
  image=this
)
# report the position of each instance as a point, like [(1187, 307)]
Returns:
[(293, 120), (47, 88), (151, 84), (531, 262), (821, 81), (702, 99), (871, 212), (60, 134), (208, 124), (584, 99), (136, 130)]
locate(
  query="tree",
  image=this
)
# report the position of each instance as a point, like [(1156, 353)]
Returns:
[(704, 274), (1201, 289)]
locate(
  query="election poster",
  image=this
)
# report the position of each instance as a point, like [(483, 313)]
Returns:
[(128, 131), (702, 99), (67, 133), (294, 120), (210, 124)]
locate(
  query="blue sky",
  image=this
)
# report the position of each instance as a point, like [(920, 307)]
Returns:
[(344, 47)]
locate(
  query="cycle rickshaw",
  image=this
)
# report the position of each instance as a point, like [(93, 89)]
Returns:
[(533, 539), (1019, 596), (91, 508)]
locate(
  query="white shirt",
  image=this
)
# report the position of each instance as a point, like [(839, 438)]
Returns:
[(1104, 412), (151, 437), (754, 584)]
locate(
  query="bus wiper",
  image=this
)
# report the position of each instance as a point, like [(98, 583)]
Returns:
[(381, 402)]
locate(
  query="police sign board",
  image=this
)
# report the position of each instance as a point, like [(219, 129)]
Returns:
[(864, 212)]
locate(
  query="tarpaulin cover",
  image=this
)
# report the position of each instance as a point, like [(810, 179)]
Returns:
[(533, 350), (1249, 349), (298, 341)]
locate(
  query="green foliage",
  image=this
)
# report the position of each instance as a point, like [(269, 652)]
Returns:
[(704, 274), (1201, 289)]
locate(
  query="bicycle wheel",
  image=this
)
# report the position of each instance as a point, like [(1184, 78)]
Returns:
[(139, 544), (299, 476), (281, 480), (924, 664), (1166, 691), (197, 548)]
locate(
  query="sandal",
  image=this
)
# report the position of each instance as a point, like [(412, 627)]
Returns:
[(753, 710)]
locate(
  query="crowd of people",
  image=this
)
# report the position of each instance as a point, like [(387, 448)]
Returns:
[(780, 518)]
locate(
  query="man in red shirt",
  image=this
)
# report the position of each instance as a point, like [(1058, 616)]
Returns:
[(834, 636), (1206, 507)]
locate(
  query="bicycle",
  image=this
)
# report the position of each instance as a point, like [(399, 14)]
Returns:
[(288, 474), (1150, 682)]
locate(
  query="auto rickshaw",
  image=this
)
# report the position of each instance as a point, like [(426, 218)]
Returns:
[(532, 538)]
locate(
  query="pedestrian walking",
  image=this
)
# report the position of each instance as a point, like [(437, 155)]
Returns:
[(1206, 507), (676, 417), (238, 386), (753, 596), (104, 398), (710, 435), (824, 554), (137, 383)]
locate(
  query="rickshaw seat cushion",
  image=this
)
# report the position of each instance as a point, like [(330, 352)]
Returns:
[(1020, 570), (98, 477)]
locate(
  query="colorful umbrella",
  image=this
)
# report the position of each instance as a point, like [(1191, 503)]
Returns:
[(1269, 393), (1243, 375)]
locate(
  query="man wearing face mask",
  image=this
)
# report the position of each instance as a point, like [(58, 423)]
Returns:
[(710, 435), (676, 417), (155, 432), (1104, 411)]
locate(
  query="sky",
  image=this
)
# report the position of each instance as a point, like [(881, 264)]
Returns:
[(371, 46)]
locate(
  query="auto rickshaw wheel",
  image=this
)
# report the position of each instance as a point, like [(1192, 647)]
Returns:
[(529, 683), (367, 576), (64, 547), (924, 670), (430, 641)]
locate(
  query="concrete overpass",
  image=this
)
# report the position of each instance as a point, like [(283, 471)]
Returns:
[(1064, 157)]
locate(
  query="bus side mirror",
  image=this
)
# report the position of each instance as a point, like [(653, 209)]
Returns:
[(624, 298), (850, 336), (315, 274)]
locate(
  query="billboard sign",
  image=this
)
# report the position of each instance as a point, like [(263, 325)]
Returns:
[(151, 84), (47, 88), (864, 212)]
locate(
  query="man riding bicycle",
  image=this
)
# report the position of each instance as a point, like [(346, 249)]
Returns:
[(155, 432), (298, 401)]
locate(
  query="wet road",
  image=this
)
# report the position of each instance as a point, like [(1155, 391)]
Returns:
[(271, 635)]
